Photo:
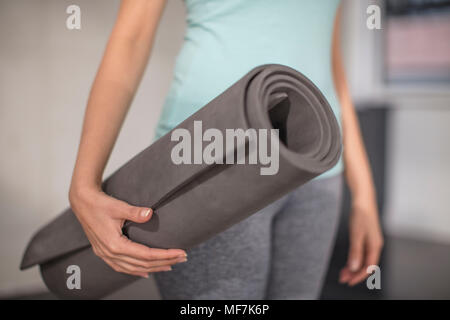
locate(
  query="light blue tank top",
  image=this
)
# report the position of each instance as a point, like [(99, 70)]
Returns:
[(227, 38)]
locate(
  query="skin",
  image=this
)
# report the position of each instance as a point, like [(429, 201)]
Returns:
[(118, 77), (366, 239)]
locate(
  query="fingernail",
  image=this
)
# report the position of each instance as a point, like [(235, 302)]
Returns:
[(354, 265), (168, 269), (145, 276), (183, 260), (145, 213)]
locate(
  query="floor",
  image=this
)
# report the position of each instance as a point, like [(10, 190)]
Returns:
[(418, 270), (413, 270)]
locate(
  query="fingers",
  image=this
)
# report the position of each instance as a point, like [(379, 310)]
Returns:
[(123, 267), (126, 264), (125, 256), (372, 256), (370, 253), (154, 263), (133, 269), (357, 277), (345, 275), (126, 247), (373, 252), (355, 255)]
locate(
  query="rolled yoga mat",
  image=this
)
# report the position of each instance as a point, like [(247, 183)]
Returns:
[(193, 202)]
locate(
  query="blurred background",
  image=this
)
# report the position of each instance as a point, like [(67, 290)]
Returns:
[(400, 82)]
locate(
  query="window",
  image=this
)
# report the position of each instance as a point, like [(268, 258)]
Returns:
[(417, 41)]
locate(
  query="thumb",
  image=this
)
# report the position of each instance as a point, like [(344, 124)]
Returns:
[(137, 214)]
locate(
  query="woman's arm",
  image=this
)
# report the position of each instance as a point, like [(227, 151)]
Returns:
[(365, 233), (117, 80)]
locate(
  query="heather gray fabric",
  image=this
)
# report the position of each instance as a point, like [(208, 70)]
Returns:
[(280, 252), (194, 202)]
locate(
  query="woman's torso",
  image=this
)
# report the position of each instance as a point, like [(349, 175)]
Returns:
[(225, 39)]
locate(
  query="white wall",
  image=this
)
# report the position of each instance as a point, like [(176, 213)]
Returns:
[(419, 171)]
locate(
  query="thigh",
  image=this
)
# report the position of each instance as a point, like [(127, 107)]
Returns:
[(232, 265), (302, 239)]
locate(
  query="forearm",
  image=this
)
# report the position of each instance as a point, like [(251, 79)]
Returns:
[(116, 82), (356, 163), (107, 106)]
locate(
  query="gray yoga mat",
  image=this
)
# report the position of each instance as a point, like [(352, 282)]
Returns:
[(193, 202)]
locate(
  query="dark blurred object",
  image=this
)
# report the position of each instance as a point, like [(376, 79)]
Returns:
[(373, 119), (401, 7)]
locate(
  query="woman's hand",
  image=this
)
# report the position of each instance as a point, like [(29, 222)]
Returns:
[(366, 242), (102, 218)]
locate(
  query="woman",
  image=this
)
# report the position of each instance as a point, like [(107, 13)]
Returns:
[(280, 252)]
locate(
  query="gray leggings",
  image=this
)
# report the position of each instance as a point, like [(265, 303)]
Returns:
[(280, 252)]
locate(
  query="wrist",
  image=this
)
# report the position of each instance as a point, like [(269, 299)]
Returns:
[(364, 201), (82, 192), (362, 190)]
